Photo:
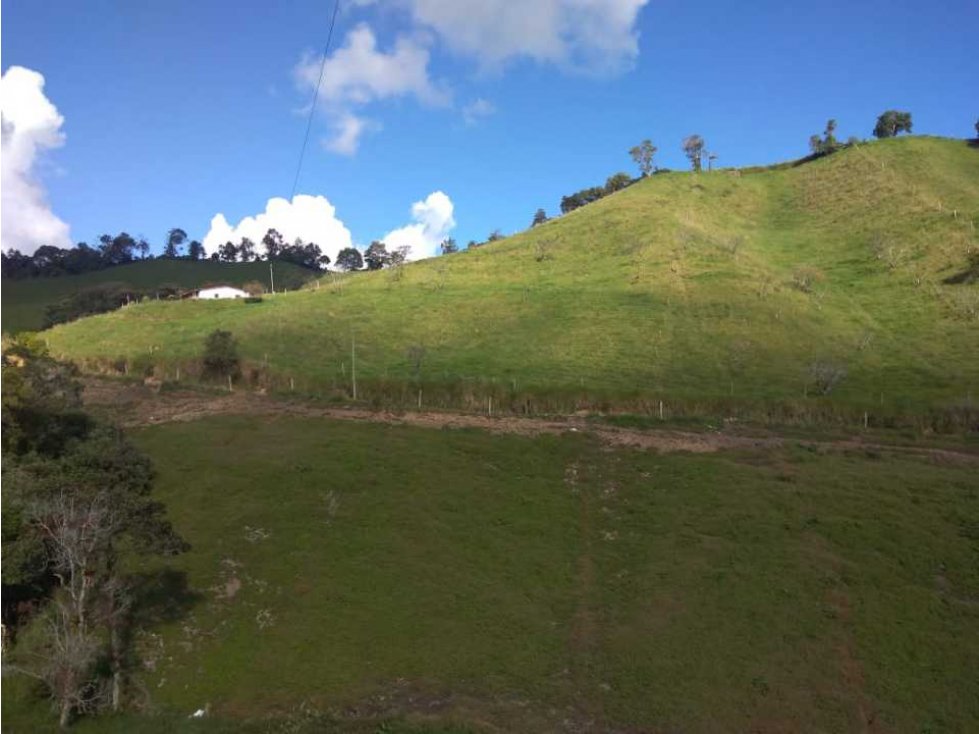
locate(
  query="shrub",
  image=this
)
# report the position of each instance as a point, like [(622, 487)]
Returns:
[(221, 355)]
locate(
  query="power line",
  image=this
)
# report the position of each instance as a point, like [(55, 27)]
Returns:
[(312, 107)]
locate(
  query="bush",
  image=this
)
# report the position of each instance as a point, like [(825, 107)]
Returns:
[(221, 355)]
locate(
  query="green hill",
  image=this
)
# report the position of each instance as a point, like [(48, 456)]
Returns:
[(24, 301), (827, 290)]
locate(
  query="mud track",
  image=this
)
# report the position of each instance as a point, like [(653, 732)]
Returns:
[(134, 405)]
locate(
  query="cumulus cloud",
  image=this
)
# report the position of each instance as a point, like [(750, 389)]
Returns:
[(433, 222), (359, 73), (313, 218), (477, 110), (30, 126)]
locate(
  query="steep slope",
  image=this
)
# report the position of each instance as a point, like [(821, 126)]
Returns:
[(24, 301), (796, 291)]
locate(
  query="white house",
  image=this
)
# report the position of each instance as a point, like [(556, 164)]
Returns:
[(221, 291)]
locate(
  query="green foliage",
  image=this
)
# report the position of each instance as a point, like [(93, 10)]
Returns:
[(891, 123), (827, 143), (617, 182), (349, 258), (377, 256), (98, 299), (540, 217), (220, 359)]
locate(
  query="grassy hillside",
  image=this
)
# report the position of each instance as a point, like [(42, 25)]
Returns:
[(714, 293), (508, 583), (24, 301)]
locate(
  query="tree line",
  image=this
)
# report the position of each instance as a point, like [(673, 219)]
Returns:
[(123, 248)]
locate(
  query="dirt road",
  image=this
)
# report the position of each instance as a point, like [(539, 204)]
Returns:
[(137, 405)]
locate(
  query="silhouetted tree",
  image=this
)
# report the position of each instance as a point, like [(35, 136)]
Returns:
[(540, 216), (195, 250), (175, 240), (228, 252), (349, 259), (643, 154), (273, 242), (246, 250), (495, 235), (449, 246)]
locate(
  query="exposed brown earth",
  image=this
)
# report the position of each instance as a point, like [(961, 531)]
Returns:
[(133, 405)]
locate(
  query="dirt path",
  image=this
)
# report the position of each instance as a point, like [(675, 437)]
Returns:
[(134, 405)]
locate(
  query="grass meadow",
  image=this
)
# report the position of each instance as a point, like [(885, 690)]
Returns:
[(371, 578), (815, 292)]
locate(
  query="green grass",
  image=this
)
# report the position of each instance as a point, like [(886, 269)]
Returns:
[(24, 301), (481, 582), (677, 288)]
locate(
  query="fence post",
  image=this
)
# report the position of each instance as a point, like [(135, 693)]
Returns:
[(661, 410)]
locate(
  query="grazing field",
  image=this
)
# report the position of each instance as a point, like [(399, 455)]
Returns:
[(823, 291), (24, 301), (361, 577)]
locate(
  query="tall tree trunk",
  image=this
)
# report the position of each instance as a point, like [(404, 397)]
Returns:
[(115, 644), (64, 719)]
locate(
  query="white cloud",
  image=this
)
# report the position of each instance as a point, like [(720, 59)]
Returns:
[(347, 131), (477, 110), (433, 222), (359, 73), (590, 35), (313, 218), (30, 126)]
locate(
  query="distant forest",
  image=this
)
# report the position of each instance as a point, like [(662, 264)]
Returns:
[(49, 261)]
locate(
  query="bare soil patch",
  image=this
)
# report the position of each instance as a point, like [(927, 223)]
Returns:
[(134, 405)]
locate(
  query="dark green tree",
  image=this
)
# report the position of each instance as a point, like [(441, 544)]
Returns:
[(349, 259), (540, 216), (175, 240), (195, 250), (617, 182), (246, 250), (75, 493), (220, 358), (891, 123), (376, 256), (228, 252), (449, 246), (273, 243)]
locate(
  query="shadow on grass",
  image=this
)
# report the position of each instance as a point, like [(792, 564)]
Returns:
[(161, 596)]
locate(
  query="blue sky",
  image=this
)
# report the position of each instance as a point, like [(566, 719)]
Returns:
[(176, 111)]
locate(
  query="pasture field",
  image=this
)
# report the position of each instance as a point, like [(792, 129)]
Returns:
[(24, 301), (365, 577), (818, 292)]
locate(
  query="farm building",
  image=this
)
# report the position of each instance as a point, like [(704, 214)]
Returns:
[(221, 291)]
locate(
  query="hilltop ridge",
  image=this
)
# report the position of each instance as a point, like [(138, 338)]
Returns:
[(822, 288)]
